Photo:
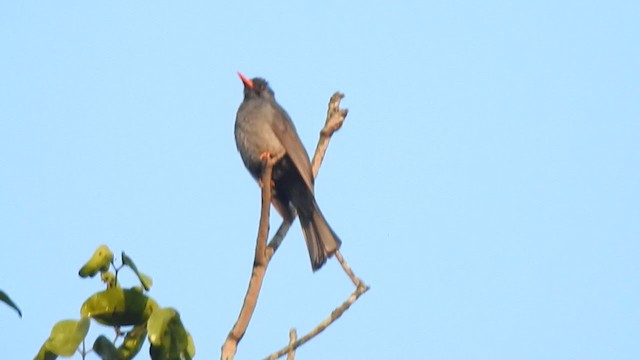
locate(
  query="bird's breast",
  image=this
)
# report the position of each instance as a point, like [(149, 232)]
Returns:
[(255, 136)]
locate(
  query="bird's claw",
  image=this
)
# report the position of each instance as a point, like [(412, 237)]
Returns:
[(265, 156)]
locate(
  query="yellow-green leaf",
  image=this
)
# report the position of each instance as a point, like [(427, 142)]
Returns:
[(100, 261), (168, 337), (45, 354), (132, 342), (67, 335), (119, 307), (191, 346), (109, 278), (158, 323), (145, 280)]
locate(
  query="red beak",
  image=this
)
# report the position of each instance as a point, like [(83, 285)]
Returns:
[(245, 81)]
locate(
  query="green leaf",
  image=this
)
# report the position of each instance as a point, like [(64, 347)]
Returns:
[(105, 348), (45, 354), (168, 337), (158, 323), (66, 336), (119, 307), (109, 278), (145, 280), (130, 347), (191, 346), (100, 261), (133, 342), (7, 300)]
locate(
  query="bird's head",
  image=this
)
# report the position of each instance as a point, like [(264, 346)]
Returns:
[(256, 87)]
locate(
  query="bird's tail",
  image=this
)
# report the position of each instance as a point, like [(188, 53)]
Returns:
[(321, 241)]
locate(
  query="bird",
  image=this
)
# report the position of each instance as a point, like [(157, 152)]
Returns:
[(263, 128)]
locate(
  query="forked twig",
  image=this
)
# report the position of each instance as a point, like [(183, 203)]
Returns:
[(334, 121), (264, 252), (335, 314)]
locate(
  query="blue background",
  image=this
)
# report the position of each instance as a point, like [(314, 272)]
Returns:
[(485, 183)]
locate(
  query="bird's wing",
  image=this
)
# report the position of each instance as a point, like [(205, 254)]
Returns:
[(286, 132)]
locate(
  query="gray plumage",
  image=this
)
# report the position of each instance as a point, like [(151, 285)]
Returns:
[(262, 125)]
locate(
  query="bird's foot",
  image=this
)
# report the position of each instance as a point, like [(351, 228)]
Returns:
[(273, 184)]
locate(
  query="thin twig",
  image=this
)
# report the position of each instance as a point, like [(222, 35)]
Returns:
[(335, 119), (335, 314), (277, 238), (361, 288), (260, 263), (356, 281), (293, 336)]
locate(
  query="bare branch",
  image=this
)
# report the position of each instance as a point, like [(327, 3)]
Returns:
[(356, 281), (335, 314), (293, 336), (334, 121), (361, 288), (260, 263)]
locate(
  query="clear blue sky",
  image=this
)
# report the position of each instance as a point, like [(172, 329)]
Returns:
[(485, 184)]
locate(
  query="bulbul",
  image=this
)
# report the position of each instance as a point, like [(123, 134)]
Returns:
[(264, 127)]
